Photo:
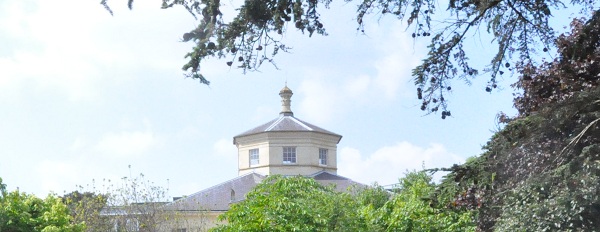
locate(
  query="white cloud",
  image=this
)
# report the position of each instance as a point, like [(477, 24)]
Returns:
[(78, 144), (357, 86), (127, 143), (392, 74), (60, 176), (321, 100), (225, 148), (65, 74), (12, 18), (67, 30), (50, 50), (265, 112), (389, 163), (383, 76), (78, 53), (400, 56), (55, 175)]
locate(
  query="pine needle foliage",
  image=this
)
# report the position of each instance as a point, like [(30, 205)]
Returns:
[(519, 30)]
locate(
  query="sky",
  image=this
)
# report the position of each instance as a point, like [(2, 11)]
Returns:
[(87, 97)]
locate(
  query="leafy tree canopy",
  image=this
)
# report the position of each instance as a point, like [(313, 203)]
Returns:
[(576, 69), (292, 204), (301, 204), (544, 165), (412, 209), (519, 29), (25, 212), (86, 208), (541, 171)]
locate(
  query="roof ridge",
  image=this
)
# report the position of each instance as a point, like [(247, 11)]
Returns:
[(218, 185), (275, 123), (301, 124), (328, 173), (286, 123)]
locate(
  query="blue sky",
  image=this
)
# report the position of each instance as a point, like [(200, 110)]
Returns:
[(83, 95)]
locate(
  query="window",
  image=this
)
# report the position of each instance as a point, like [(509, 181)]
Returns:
[(132, 224), (289, 155), (322, 156), (253, 154)]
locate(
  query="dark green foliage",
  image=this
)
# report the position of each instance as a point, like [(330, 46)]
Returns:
[(2, 188), (86, 208), (567, 199), (576, 68), (555, 167), (517, 28), (540, 173), (251, 38)]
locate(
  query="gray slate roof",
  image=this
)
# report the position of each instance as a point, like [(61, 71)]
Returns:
[(341, 183), (218, 197), (286, 123)]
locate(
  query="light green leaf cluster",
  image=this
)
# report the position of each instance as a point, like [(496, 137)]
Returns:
[(25, 212), (302, 204), (411, 210), (292, 204)]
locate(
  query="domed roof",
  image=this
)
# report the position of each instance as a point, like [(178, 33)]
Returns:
[(285, 90), (286, 121)]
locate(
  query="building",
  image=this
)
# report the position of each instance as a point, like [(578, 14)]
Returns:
[(285, 145)]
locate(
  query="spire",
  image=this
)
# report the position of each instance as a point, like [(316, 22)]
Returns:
[(286, 95)]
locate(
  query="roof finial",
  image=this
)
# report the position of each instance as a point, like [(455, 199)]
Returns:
[(286, 95)]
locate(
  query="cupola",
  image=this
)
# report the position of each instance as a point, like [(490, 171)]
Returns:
[(286, 96), (287, 145)]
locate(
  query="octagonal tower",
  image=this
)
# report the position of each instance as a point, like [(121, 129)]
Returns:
[(287, 145)]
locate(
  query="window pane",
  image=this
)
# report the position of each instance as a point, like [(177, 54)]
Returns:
[(253, 155), (322, 156), (289, 155)]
